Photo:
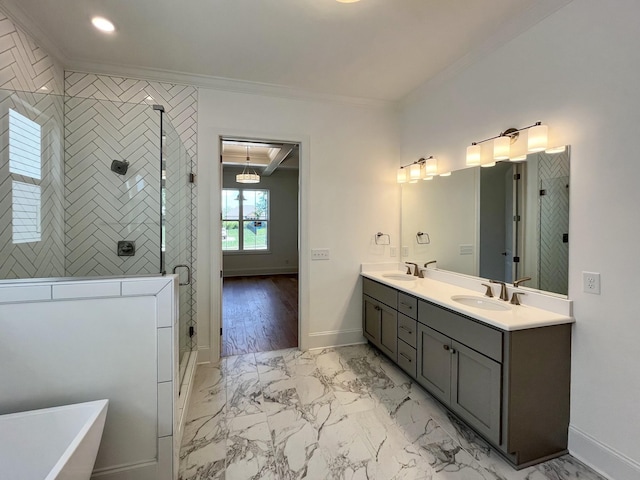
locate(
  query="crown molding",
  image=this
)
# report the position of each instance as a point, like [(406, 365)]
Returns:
[(22, 20), (223, 84), (534, 14)]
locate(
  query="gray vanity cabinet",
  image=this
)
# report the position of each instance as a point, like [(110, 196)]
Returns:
[(475, 390), (434, 362), (467, 377), (461, 378), (380, 317), (511, 387)]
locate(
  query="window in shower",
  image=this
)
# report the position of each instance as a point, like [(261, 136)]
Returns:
[(25, 166)]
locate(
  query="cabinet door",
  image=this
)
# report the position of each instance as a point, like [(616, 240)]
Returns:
[(476, 390), (434, 362), (389, 332), (371, 319)]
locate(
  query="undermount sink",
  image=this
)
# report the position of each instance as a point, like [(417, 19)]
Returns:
[(480, 302), (399, 277)]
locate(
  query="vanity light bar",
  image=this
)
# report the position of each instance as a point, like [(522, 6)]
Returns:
[(423, 168), (536, 142)]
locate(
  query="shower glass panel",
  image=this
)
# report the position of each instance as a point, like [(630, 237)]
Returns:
[(32, 181), (94, 188), (105, 205), (176, 238)]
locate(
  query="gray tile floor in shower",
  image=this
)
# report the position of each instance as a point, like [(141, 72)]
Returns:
[(338, 413)]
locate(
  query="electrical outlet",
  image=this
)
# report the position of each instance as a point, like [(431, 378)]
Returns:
[(591, 282), (393, 251), (319, 254), (405, 251)]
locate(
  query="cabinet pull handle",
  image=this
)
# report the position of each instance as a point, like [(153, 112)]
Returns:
[(453, 351), (446, 347), (406, 357), (406, 329), (406, 305), (377, 307)]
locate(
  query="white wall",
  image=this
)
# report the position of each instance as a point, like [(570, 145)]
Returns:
[(282, 256), (348, 158), (74, 341), (578, 71)]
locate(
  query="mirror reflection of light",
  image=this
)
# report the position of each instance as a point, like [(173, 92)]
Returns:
[(555, 149), (139, 182)]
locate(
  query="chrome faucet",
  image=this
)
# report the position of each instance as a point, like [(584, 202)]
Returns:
[(426, 265), (504, 295), (520, 280), (416, 270)]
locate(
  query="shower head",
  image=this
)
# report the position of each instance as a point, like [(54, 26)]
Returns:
[(119, 166)]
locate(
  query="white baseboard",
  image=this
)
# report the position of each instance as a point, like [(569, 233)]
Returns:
[(335, 338), (141, 471), (204, 355), (244, 272), (603, 459)]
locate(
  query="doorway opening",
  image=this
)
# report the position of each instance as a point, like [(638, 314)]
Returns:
[(260, 245)]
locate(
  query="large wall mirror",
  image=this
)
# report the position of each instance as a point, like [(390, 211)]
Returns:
[(502, 223)]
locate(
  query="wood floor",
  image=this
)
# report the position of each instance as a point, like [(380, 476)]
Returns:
[(259, 314)]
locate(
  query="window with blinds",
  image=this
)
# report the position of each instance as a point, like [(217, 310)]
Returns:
[(26, 212), (24, 146), (25, 163)]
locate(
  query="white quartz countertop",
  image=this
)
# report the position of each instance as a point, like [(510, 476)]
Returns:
[(517, 317)]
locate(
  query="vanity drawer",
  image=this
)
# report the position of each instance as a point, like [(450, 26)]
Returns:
[(382, 293), (481, 338), (408, 305), (407, 358), (407, 330)]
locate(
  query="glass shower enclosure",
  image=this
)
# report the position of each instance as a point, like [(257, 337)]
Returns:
[(93, 187)]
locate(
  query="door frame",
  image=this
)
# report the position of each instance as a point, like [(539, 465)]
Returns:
[(215, 245)]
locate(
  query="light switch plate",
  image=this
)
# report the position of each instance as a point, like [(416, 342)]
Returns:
[(393, 251), (591, 282), (319, 254), (405, 251)]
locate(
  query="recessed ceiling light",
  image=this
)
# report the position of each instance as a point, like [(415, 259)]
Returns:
[(347, 1), (103, 24)]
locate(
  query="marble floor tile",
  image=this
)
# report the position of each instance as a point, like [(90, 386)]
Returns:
[(394, 456), (250, 452), (204, 448), (209, 393), (244, 395), (297, 450), (239, 364), (334, 413)]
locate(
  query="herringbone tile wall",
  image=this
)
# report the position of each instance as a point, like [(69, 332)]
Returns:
[(553, 175), (46, 257), (181, 106), (24, 65), (101, 206), (102, 118), (25, 69)]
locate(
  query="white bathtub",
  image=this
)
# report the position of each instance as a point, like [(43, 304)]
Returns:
[(54, 443)]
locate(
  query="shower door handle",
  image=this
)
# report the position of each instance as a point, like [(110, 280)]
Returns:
[(188, 273)]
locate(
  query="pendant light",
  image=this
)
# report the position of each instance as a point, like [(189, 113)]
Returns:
[(248, 176)]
